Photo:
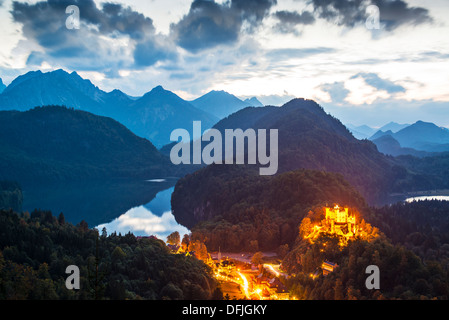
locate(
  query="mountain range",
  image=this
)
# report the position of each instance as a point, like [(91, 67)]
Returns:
[(420, 136), (221, 104), (365, 132), (153, 116)]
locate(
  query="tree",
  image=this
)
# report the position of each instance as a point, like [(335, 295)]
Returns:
[(185, 242), (200, 249), (174, 238), (61, 219), (257, 258)]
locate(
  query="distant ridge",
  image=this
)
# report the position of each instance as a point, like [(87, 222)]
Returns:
[(221, 103), (422, 136)]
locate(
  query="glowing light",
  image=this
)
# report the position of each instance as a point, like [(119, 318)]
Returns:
[(269, 266), (245, 285)]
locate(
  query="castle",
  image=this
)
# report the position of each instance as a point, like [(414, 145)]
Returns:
[(341, 222)]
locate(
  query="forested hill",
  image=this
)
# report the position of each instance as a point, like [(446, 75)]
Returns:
[(36, 249), (56, 143), (309, 138), (231, 206)]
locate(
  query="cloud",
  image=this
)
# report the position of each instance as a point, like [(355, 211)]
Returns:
[(394, 13), (336, 91), (296, 53), (350, 13), (289, 20), (109, 38), (209, 24), (375, 81)]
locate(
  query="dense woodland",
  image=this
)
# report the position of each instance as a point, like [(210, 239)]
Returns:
[(411, 255), (432, 172), (36, 249), (230, 208), (411, 248)]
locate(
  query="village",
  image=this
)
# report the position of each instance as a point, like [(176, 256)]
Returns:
[(258, 276)]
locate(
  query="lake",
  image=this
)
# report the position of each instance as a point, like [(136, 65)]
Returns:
[(140, 207), (154, 218), (422, 198)]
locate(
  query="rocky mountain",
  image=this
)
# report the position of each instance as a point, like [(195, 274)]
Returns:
[(152, 116)]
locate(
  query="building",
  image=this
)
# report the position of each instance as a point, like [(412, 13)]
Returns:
[(328, 267), (339, 219)]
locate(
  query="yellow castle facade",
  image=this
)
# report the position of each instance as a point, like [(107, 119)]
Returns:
[(339, 218)]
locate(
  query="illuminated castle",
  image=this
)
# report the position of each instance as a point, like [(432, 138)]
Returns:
[(339, 219)]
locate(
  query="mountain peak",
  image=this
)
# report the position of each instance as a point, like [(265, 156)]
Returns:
[(219, 103), (253, 102), (158, 88), (2, 86), (306, 104)]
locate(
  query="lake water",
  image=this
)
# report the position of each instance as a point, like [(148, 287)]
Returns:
[(422, 198), (140, 207), (154, 218)]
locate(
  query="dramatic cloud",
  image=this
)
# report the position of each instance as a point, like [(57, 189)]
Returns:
[(349, 13), (209, 24), (106, 36), (289, 20), (394, 13)]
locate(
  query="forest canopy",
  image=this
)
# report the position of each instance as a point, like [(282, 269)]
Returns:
[(36, 249)]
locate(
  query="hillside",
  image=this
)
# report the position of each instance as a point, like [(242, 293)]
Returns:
[(56, 143), (232, 206), (390, 146), (312, 139)]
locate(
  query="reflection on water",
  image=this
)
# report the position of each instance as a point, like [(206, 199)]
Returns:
[(96, 202), (154, 218), (422, 198)]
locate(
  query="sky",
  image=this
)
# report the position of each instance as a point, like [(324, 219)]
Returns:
[(361, 69)]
